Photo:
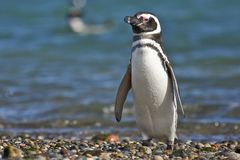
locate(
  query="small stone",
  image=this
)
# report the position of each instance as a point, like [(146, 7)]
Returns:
[(193, 156), (73, 151), (32, 152), (189, 142), (237, 149), (64, 152), (40, 137), (157, 157), (232, 155), (100, 137), (83, 146), (12, 152), (146, 150), (5, 145), (182, 146), (207, 145), (158, 151), (208, 148), (119, 155), (179, 153), (39, 157), (202, 158), (162, 145), (105, 156), (165, 157), (92, 153), (140, 154), (113, 138), (133, 151), (88, 155), (199, 145), (22, 145), (232, 146)]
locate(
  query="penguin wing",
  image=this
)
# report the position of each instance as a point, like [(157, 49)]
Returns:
[(122, 93), (176, 93)]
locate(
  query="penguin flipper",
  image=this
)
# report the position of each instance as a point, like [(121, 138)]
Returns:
[(122, 93), (176, 93)]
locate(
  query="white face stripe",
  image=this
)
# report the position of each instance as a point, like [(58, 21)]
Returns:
[(152, 42), (147, 16)]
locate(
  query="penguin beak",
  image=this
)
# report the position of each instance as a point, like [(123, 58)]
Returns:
[(134, 21)]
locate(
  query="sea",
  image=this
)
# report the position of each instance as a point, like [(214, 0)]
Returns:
[(55, 81)]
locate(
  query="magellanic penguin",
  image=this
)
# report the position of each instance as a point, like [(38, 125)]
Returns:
[(78, 25), (152, 80)]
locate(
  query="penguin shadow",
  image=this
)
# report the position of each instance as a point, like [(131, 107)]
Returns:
[(77, 24)]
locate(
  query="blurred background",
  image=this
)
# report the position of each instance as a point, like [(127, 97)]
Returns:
[(56, 81)]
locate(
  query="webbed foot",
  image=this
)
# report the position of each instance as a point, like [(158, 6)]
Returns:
[(170, 145)]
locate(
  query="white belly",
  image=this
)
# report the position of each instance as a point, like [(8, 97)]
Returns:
[(152, 93)]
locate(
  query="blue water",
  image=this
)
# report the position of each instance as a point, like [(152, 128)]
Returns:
[(48, 72)]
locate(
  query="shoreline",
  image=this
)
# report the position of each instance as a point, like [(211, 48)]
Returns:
[(111, 146)]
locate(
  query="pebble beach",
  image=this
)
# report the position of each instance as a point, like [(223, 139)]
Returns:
[(111, 146)]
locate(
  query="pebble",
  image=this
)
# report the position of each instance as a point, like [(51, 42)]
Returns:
[(199, 146), (147, 150), (237, 149), (105, 156), (40, 158), (112, 138), (11, 152), (207, 145), (232, 156), (157, 157)]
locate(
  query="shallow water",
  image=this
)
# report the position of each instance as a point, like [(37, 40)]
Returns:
[(57, 80)]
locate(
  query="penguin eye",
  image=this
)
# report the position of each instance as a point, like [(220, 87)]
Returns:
[(144, 19)]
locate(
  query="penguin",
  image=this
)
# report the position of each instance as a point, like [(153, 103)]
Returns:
[(151, 78), (78, 25)]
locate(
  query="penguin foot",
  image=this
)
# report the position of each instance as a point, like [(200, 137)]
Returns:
[(170, 145), (177, 140), (147, 142)]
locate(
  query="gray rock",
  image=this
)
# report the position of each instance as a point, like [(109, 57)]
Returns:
[(232, 155), (157, 157), (40, 157)]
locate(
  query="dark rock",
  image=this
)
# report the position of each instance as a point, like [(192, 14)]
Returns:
[(179, 153), (11, 152), (64, 152), (237, 149), (146, 143), (93, 152)]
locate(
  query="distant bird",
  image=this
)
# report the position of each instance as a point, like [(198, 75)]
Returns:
[(77, 24), (151, 77)]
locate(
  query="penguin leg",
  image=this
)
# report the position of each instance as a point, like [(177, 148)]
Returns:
[(171, 138), (170, 145), (146, 140), (172, 135)]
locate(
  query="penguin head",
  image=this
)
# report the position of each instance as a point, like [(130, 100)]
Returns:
[(144, 23)]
